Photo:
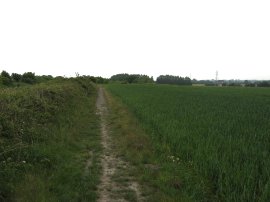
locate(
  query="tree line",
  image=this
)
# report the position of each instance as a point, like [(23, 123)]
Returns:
[(176, 80), (131, 78), (29, 78), (16, 79), (140, 78)]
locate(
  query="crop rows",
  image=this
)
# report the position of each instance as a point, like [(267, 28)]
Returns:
[(224, 133)]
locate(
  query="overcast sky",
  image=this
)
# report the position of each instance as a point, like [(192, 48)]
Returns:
[(191, 37)]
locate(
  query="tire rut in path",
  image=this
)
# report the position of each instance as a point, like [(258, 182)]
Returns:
[(115, 184)]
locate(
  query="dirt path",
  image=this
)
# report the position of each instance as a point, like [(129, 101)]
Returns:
[(116, 184)]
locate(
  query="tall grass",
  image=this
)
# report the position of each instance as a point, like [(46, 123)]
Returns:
[(223, 134), (46, 133)]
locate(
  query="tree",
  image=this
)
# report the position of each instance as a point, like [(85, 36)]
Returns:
[(5, 78), (176, 80), (264, 84), (43, 78), (132, 78), (5, 81), (120, 77), (16, 77), (29, 78), (5, 74)]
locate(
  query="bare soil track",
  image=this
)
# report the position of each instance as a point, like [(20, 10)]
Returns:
[(116, 184)]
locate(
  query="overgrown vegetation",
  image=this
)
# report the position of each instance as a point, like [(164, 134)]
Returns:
[(48, 134), (219, 135)]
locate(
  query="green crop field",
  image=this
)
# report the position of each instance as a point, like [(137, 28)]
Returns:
[(222, 134)]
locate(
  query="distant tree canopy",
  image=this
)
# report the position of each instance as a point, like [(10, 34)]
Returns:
[(29, 77), (43, 78), (16, 79), (98, 79), (5, 74), (177, 80), (5, 78), (264, 84), (132, 78)]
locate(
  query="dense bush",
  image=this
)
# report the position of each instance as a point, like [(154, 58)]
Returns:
[(27, 116)]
